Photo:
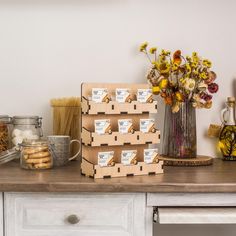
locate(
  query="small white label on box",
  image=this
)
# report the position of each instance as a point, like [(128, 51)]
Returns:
[(147, 125), (125, 126), (150, 155), (99, 95), (129, 157), (105, 158), (144, 95), (102, 126), (122, 95)]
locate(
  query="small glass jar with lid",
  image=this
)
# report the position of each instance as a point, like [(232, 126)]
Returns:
[(26, 127), (5, 132), (35, 154)]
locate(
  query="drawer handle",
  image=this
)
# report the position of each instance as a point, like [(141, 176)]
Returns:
[(73, 219)]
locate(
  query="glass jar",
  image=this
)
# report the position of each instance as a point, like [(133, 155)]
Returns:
[(180, 137), (26, 127), (35, 154), (5, 132)]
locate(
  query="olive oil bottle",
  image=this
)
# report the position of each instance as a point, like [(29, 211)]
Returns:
[(227, 139)]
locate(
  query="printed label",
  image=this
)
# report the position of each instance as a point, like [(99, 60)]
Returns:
[(123, 95), (147, 125), (144, 95), (150, 155), (99, 95), (129, 157), (102, 126), (106, 158), (125, 126)]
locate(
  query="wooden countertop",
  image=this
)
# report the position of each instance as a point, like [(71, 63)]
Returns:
[(220, 177)]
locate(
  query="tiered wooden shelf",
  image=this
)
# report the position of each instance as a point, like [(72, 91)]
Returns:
[(94, 143), (113, 107), (117, 139)]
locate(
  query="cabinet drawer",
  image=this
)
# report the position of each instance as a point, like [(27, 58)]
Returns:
[(37, 214), (196, 215)]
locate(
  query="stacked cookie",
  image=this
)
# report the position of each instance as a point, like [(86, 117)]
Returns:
[(38, 157)]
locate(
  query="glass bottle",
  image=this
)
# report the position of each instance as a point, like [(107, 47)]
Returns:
[(227, 139)]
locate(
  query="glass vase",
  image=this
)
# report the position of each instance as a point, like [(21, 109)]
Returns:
[(180, 139)]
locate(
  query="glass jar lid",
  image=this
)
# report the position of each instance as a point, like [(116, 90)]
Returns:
[(5, 119), (27, 120), (34, 143)]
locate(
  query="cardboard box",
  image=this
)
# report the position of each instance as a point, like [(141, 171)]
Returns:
[(102, 126), (147, 125), (144, 95), (106, 158), (123, 95), (100, 95), (125, 126), (150, 155), (129, 157)]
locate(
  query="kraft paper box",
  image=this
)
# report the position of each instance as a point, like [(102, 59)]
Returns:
[(129, 157), (106, 158), (125, 126), (150, 155), (144, 95), (147, 125), (123, 95), (102, 126), (100, 95)]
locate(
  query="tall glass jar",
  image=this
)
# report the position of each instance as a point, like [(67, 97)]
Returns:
[(26, 127), (180, 138), (5, 132)]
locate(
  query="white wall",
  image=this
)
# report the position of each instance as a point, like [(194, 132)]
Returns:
[(48, 47)]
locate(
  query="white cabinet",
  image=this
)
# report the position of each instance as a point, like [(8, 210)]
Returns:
[(35, 214)]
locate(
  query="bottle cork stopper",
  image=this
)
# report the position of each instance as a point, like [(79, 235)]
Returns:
[(231, 99)]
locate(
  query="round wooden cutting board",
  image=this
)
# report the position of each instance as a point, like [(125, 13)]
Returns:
[(198, 161)]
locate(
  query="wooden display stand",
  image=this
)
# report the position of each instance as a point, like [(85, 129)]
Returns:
[(92, 143)]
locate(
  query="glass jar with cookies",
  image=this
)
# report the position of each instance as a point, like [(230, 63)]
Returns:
[(35, 154)]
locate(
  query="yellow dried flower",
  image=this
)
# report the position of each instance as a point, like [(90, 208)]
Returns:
[(175, 67), (203, 75), (143, 46), (152, 50), (156, 90), (207, 63), (182, 80), (188, 58), (188, 68), (194, 64), (164, 67), (163, 83), (195, 72), (165, 52), (179, 96)]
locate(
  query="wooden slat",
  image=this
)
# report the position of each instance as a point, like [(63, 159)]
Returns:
[(119, 170), (118, 139)]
